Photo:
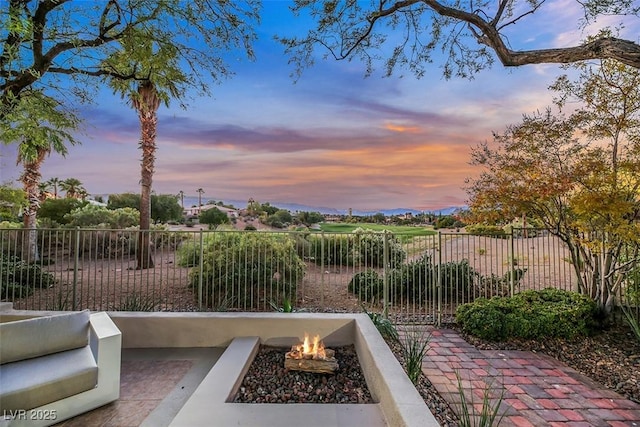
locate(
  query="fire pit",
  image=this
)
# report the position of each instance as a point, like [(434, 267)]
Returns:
[(311, 356)]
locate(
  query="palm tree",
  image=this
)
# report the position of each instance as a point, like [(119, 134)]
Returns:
[(73, 188), (200, 191), (157, 78), (146, 102), (43, 188), (39, 126), (181, 195), (54, 182)]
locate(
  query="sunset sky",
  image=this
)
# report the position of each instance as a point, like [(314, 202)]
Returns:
[(333, 139)]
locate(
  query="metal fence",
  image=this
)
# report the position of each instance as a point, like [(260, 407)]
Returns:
[(408, 276)]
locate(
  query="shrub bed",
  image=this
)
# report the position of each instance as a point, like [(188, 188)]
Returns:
[(529, 315), (252, 268)]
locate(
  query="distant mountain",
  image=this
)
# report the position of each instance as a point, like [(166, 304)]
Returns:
[(298, 207)]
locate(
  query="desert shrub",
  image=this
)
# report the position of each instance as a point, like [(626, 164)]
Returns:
[(412, 281), (486, 230), (415, 280), (456, 277), (91, 216), (529, 315), (249, 267), (10, 233), (18, 278), (189, 251), (55, 210), (332, 249), (369, 248), (367, 285)]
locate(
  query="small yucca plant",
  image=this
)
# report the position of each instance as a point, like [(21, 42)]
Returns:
[(489, 413), (414, 343)]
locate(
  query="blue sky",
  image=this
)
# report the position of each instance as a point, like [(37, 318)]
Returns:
[(333, 139)]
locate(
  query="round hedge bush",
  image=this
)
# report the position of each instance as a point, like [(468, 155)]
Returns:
[(529, 315)]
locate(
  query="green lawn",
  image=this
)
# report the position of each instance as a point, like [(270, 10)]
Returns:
[(343, 227)]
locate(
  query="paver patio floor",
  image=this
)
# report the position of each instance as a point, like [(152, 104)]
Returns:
[(537, 390)]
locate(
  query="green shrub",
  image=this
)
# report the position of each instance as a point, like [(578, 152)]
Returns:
[(415, 280), (367, 285), (486, 230), (529, 315), (252, 268), (369, 248), (412, 281), (189, 250), (332, 249), (18, 279), (92, 215)]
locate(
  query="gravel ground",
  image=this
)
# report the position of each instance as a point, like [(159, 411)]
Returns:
[(267, 381)]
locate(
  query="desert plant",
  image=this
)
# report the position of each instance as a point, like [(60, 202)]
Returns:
[(250, 266), (386, 328), (486, 230), (62, 302), (369, 248), (489, 411), (414, 344), (631, 319), (18, 278), (367, 285), (332, 249), (137, 302), (286, 306)]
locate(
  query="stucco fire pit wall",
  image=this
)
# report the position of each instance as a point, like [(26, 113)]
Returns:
[(398, 402)]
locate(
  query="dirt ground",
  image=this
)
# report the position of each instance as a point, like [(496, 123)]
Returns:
[(115, 284)]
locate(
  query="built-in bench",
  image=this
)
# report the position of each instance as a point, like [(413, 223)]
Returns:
[(56, 366)]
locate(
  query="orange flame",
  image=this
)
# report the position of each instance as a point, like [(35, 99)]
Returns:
[(314, 350)]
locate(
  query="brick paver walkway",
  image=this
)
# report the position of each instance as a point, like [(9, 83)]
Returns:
[(538, 390)]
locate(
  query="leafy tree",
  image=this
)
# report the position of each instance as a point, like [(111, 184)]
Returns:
[(577, 175), (308, 218), (379, 218), (469, 34), (123, 200), (56, 209), (51, 40), (12, 201), (164, 207), (267, 209), (446, 221), (279, 218), (213, 217)]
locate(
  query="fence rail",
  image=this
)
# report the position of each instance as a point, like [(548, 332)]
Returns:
[(407, 276)]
